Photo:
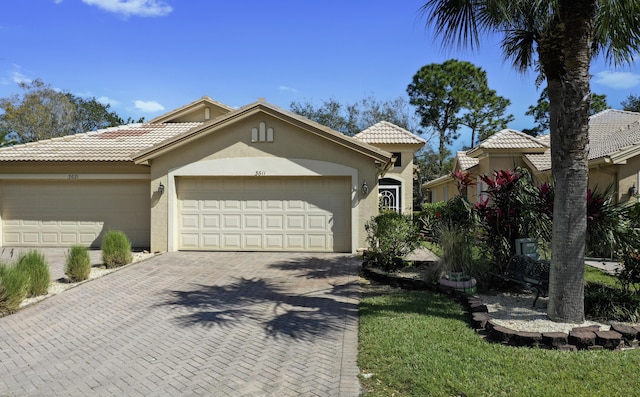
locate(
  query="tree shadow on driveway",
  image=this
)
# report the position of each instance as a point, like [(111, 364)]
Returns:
[(278, 304)]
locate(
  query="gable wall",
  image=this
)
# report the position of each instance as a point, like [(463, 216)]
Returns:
[(403, 173), (234, 142)]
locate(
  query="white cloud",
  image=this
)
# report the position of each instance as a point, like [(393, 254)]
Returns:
[(105, 100), (617, 80), (57, 1), (148, 106), (18, 78), (127, 8), (285, 88)]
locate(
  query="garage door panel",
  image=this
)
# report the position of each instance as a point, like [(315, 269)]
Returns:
[(295, 242), (190, 240), (295, 205), (210, 221), (274, 222), (210, 241), (299, 209), (63, 213), (189, 221), (274, 241), (252, 222), (274, 205), (252, 241), (232, 240), (316, 242)]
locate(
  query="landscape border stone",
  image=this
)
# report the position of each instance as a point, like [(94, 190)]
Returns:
[(579, 338)]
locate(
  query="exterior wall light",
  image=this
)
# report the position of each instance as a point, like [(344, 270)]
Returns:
[(161, 188), (365, 187)]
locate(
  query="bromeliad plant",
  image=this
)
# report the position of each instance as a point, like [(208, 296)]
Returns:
[(609, 224), (514, 208)]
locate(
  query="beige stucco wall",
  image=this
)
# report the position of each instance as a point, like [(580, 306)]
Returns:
[(628, 176), (622, 176), (234, 142), (404, 173), (71, 168)]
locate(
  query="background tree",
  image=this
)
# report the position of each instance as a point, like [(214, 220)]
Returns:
[(540, 112), (41, 112), (91, 115), (631, 104), (486, 116), (426, 168), (564, 34), (351, 119), (452, 94)]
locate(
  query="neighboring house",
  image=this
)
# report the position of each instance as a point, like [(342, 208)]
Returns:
[(395, 189), (614, 157), (202, 177)]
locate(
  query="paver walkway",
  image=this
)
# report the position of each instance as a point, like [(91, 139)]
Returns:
[(212, 324)]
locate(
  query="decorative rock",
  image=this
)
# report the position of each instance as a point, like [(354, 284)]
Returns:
[(608, 339), (555, 339), (582, 338), (595, 347), (568, 348), (592, 328), (502, 334), (628, 333), (478, 307), (532, 339), (480, 319)]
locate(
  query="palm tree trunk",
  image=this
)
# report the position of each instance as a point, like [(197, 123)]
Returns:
[(569, 98)]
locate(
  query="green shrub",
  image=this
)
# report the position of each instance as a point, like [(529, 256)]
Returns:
[(609, 224), (14, 285), (116, 249), (78, 265), (428, 218), (390, 237), (603, 302), (35, 266)]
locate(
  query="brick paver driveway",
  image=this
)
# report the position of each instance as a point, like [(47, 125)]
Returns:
[(215, 324)]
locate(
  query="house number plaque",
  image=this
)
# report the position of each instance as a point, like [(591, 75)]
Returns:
[(261, 173)]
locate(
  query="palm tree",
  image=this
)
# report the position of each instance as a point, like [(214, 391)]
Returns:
[(564, 34)]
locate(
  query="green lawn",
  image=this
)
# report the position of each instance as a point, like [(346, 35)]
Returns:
[(420, 344)]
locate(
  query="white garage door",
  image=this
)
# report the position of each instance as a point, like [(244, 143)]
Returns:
[(64, 213), (311, 214)]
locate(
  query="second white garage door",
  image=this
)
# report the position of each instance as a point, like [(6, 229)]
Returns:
[(64, 213), (311, 214)]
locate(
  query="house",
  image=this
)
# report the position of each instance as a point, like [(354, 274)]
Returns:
[(614, 157), (204, 176)]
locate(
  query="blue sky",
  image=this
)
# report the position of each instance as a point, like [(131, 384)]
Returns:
[(146, 57)]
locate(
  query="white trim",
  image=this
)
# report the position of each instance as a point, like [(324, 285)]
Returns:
[(258, 167), (72, 176)]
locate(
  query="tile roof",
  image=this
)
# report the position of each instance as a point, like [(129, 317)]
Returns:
[(385, 132), (511, 139), (111, 144), (541, 161), (610, 132), (465, 161)]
